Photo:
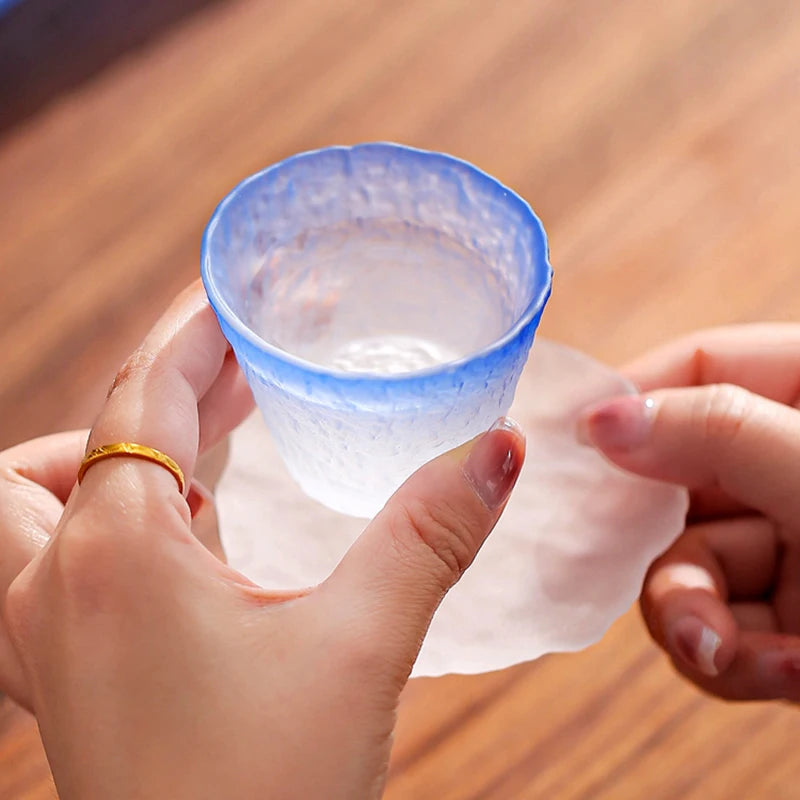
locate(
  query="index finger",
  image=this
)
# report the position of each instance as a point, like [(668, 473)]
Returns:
[(154, 399), (763, 358)]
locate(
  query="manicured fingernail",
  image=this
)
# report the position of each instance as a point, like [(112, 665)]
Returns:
[(493, 464), (781, 668), (695, 643), (623, 423)]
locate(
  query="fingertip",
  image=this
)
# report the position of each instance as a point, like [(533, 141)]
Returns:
[(695, 643), (510, 425), (778, 670), (620, 424), (683, 603), (494, 461), (194, 291), (700, 633)]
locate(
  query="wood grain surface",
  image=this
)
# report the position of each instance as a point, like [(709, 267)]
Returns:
[(657, 141)]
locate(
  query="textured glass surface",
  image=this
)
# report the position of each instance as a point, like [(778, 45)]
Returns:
[(382, 301)]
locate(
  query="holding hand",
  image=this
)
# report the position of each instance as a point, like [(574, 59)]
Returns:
[(718, 414), (155, 670)]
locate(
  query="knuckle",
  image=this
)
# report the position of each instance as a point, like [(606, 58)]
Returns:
[(725, 410), (137, 364), (76, 580), (72, 577), (446, 535), (84, 564), (96, 560)]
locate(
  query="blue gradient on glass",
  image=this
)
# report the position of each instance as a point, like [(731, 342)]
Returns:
[(349, 439)]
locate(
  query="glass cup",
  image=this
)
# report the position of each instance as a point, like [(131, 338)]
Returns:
[(381, 301)]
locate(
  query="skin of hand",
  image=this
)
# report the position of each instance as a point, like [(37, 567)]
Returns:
[(36, 478), (155, 670), (719, 414)]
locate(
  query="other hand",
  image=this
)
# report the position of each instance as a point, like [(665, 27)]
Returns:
[(718, 414)]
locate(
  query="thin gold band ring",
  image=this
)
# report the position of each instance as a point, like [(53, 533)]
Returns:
[(133, 450)]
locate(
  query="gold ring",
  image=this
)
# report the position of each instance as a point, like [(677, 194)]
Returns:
[(136, 451)]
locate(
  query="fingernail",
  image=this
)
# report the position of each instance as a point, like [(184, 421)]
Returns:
[(623, 423), (780, 668), (695, 643), (493, 464)]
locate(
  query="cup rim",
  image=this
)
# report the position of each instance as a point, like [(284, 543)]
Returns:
[(522, 322)]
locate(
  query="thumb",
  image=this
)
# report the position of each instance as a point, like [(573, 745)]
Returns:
[(716, 436), (396, 574)]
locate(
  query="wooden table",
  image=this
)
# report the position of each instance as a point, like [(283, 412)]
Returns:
[(658, 142)]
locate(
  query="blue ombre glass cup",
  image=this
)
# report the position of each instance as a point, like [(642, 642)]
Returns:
[(381, 301)]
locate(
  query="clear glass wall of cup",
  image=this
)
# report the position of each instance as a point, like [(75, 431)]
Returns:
[(382, 302)]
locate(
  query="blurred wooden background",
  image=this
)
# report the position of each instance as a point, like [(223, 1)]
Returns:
[(659, 144)]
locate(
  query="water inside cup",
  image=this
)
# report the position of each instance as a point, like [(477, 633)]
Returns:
[(378, 296)]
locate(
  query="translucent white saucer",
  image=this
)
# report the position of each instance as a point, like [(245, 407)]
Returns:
[(567, 558)]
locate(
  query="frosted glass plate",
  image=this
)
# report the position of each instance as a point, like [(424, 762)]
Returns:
[(567, 558)]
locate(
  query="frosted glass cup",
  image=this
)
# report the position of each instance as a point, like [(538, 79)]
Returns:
[(382, 302)]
